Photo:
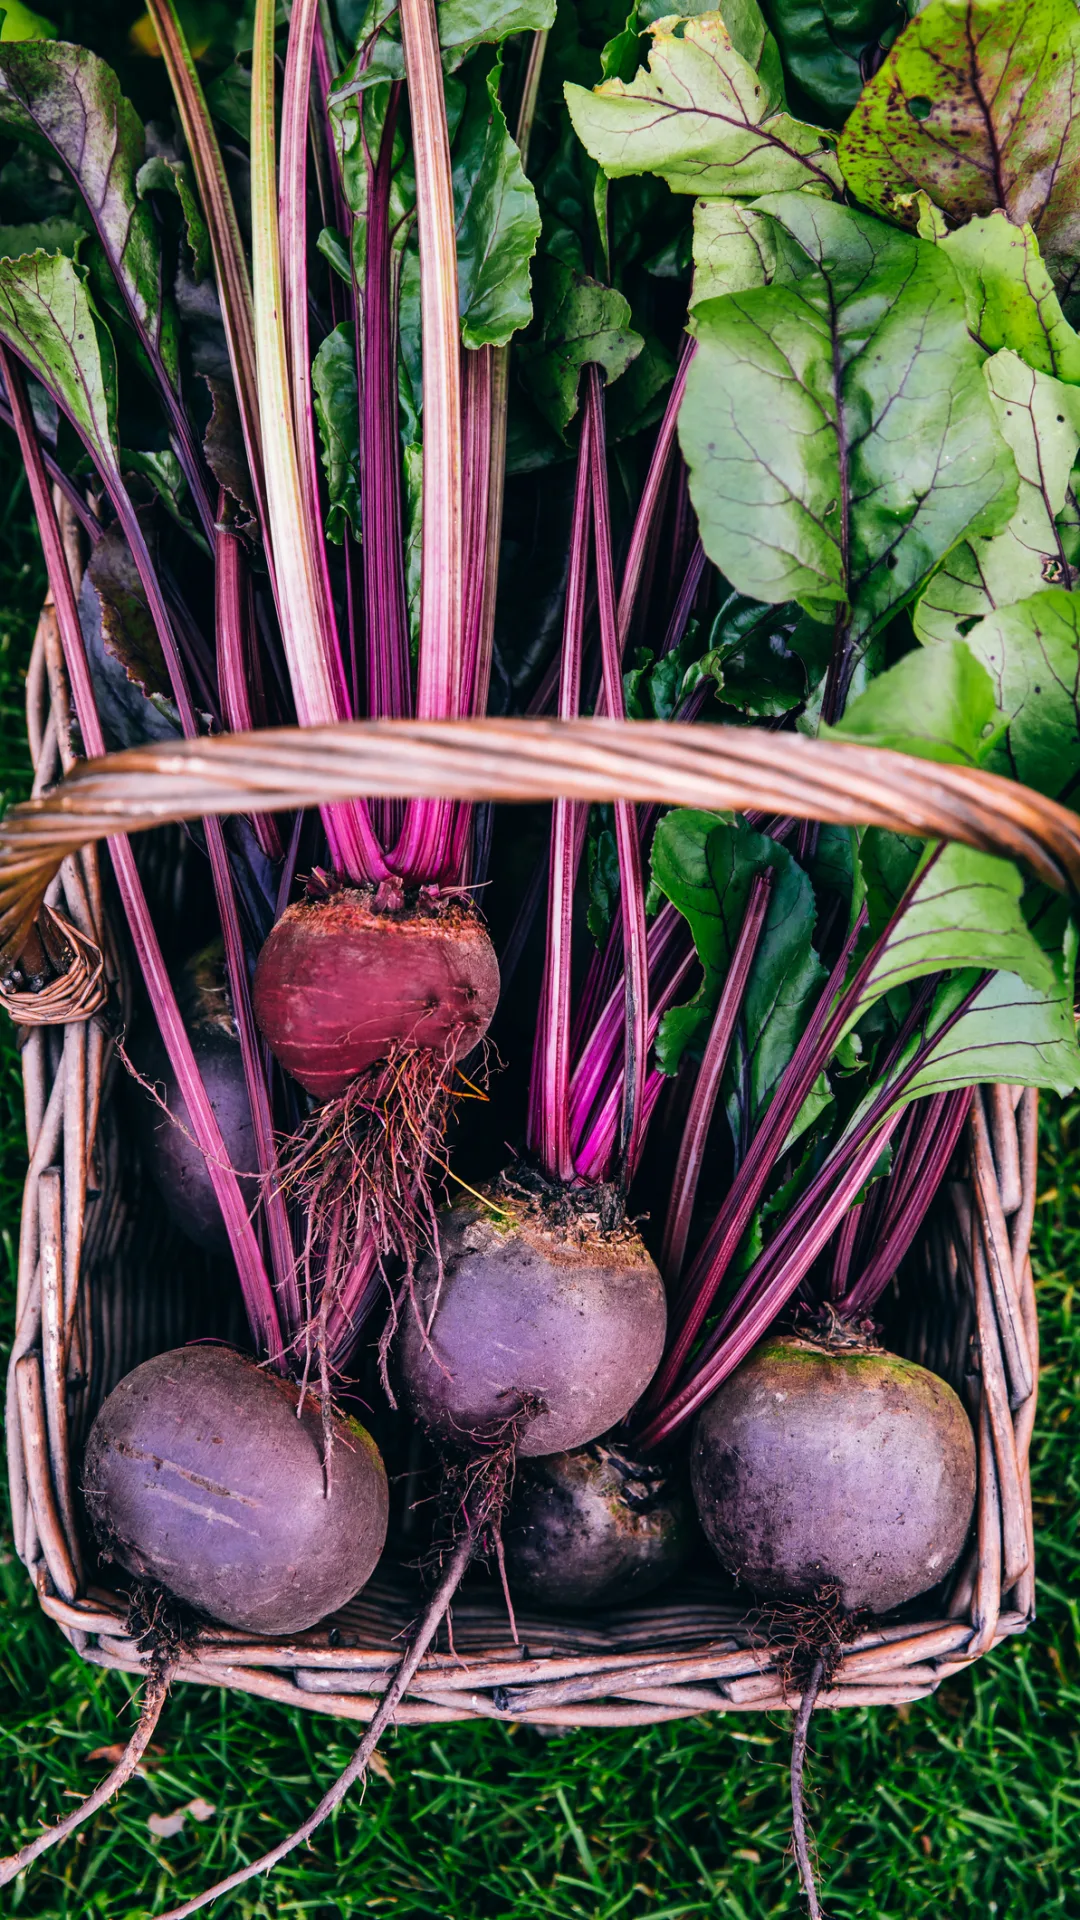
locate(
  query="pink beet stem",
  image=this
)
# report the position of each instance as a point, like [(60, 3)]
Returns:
[(550, 1137), (257, 1291), (710, 1073), (632, 901)]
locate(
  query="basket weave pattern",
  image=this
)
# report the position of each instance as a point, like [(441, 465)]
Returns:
[(89, 1306)]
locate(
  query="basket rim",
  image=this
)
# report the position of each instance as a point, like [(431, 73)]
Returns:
[(674, 763)]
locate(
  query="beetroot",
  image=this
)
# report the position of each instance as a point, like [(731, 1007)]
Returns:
[(339, 984), (815, 1466), (174, 1160), (594, 1528), (199, 1474), (551, 1328)]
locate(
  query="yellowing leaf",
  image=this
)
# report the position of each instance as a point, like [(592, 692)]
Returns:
[(703, 117)]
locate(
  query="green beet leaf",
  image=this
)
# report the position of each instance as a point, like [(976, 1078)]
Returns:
[(174, 176), (127, 626), (821, 43), (656, 688), (734, 249), (605, 883), (751, 653), (22, 23), (335, 394), (1014, 1033), (495, 210), (1032, 654), (887, 862), (498, 220), (707, 113), (58, 234), (705, 865), (963, 911), (162, 471), (66, 99), (465, 24), (976, 105), (47, 318), (1010, 297), (837, 426), (938, 705), (1040, 418), (580, 323)]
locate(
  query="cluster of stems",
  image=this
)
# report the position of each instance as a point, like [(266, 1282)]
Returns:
[(290, 643)]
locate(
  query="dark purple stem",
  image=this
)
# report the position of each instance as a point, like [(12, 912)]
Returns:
[(684, 605), (707, 1084), (87, 519), (815, 1047), (594, 1142), (845, 1247), (899, 1230), (281, 1248), (632, 888), (550, 1091), (258, 1293), (653, 493), (385, 617), (780, 1270)]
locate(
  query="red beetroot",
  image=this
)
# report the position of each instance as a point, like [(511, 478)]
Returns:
[(339, 984)]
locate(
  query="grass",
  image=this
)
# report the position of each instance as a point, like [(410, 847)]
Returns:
[(967, 1804)]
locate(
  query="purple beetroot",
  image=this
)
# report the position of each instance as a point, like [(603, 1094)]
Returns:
[(550, 1330), (595, 1528), (205, 1473), (817, 1466)]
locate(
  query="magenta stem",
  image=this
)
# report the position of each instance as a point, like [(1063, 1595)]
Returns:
[(899, 1231), (707, 1273), (770, 1285), (258, 1293), (599, 1069), (632, 888), (653, 493), (550, 1138), (710, 1073), (809, 1226), (281, 1247), (685, 603), (595, 1146), (845, 1247), (385, 615)]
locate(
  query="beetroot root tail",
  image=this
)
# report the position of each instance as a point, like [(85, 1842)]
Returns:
[(478, 1516), (798, 1767), (154, 1696)]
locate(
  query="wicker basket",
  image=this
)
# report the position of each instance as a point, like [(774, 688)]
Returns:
[(94, 1288)]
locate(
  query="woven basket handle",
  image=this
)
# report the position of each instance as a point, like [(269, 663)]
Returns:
[(674, 764)]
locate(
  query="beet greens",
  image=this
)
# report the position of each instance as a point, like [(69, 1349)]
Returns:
[(398, 362)]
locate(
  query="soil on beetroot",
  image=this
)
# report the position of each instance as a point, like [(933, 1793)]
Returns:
[(520, 1309)]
